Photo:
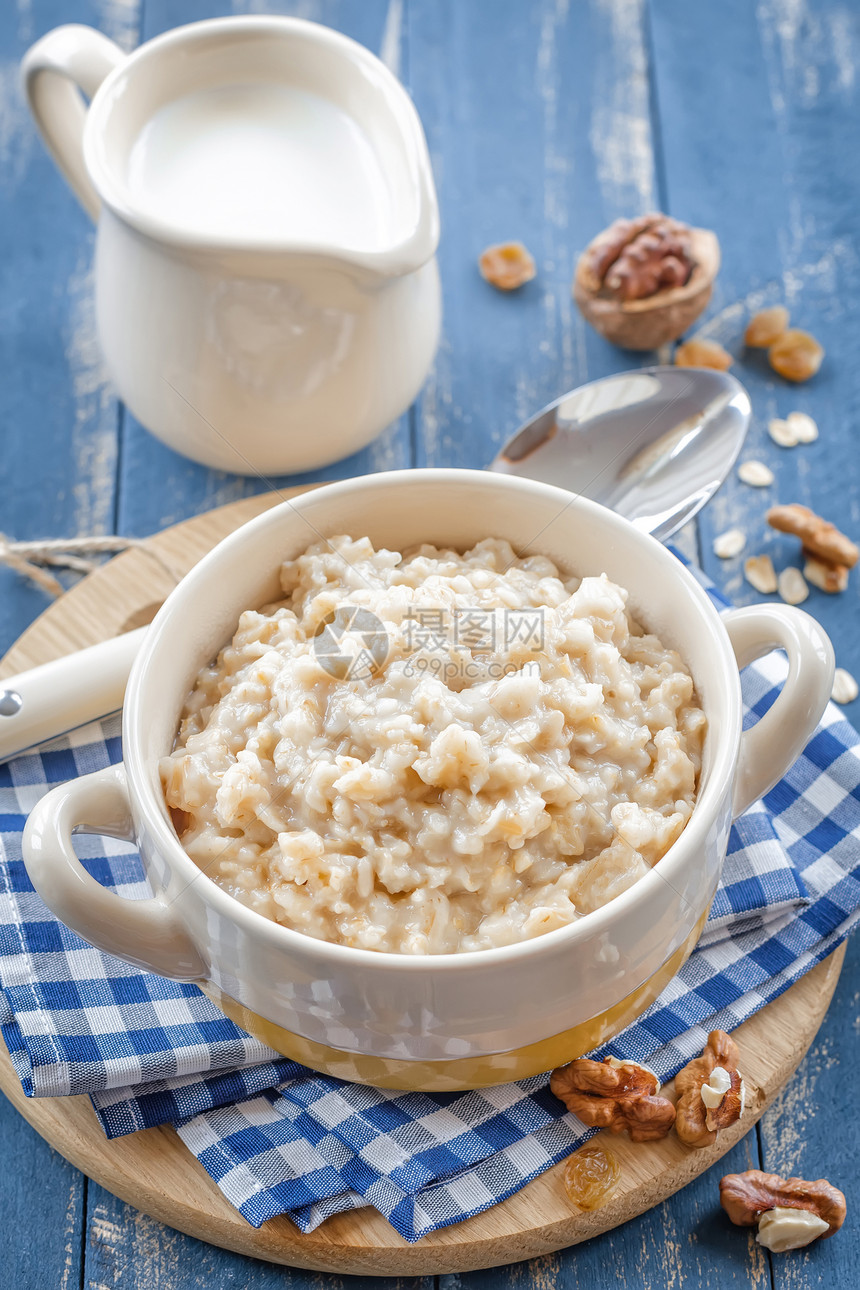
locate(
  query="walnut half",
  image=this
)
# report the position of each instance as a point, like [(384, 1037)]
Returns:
[(635, 258), (789, 1212), (614, 1095), (710, 1092), (644, 281)]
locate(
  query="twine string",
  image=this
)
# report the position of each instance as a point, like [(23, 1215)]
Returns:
[(33, 560)]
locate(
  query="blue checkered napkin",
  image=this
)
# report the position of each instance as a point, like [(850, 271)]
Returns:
[(758, 887), (279, 1139)]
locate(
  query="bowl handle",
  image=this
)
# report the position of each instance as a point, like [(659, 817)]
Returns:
[(777, 740), (66, 63), (144, 932)]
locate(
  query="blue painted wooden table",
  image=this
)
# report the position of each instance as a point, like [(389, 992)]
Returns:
[(546, 119)]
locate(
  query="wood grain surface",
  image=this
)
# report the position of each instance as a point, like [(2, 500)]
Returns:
[(154, 1172), (546, 118)]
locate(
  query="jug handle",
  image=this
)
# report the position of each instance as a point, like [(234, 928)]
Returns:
[(67, 64)]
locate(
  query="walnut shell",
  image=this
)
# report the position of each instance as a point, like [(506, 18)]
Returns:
[(745, 1197), (649, 322)]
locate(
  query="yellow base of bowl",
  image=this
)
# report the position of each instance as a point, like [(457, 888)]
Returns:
[(461, 1072)]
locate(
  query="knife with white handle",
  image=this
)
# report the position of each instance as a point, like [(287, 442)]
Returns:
[(56, 697)]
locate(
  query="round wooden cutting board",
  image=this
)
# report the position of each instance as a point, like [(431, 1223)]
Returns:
[(153, 1171)]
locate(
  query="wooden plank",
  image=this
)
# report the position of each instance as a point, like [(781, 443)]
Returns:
[(759, 155), (158, 487), (539, 129), (57, 413), (808, 1134), (125, 1248), (59, 427), (42, 1199)]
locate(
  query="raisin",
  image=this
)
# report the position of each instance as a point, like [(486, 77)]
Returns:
[(591, 1177)]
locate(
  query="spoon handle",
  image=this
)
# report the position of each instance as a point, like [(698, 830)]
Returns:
[(48, 700)]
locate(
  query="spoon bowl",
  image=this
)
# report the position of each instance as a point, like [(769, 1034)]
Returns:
[(653, 444)]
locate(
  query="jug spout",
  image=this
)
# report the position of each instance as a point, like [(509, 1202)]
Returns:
[(395, 228), (385, 220), (406, 254), (368, 202)]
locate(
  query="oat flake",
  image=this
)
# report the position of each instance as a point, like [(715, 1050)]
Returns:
[(845, 688), (730, 543), (783, 433), (760, 573), (791, 586), (755, 473), (803, 427)]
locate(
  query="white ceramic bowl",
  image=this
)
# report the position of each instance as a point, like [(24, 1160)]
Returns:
[(448, 1021)]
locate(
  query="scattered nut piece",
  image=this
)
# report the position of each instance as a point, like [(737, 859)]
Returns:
[(710, 1092), (730, 543), (781, 1229), (614, 1095), (755, 473), (591, 1177), (795, 355), (749, 1198), (760, 573), (791, 586), (700, 352), (713, 1093), (766, 326), (642, 282), (507, 265), (827, 577), (818, 536), (783, 433), (845, 689), (803, 426)]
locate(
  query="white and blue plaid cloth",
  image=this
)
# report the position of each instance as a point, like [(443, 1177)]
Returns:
[(280, 1139)]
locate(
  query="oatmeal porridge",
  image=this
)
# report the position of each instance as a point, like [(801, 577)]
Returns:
[(434, 752)]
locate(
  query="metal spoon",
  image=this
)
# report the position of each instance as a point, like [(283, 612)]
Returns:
[(653, 445)]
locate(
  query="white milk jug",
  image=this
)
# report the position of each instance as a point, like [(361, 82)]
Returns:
[(266, 289)]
